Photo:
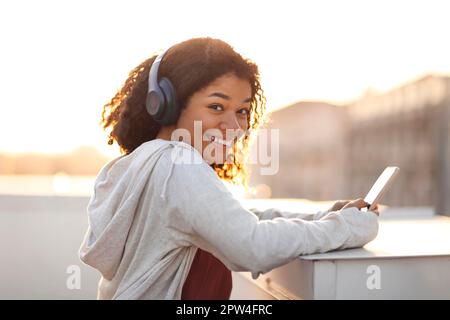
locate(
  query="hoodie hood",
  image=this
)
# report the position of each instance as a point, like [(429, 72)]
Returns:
[(112, 207)]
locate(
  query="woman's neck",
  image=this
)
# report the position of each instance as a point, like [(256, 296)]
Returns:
[(165, 132)]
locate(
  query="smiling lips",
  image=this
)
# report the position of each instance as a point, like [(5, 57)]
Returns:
[(215, 139)]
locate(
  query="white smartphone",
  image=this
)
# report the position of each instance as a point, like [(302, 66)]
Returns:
[(380, 186)]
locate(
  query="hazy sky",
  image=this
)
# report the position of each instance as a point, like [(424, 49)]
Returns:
[(62, 60)]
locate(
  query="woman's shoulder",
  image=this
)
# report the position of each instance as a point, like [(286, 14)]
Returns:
[(181, 159), (177, 152), (154, 150), (181, 167)]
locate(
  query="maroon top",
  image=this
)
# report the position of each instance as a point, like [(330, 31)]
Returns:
[(208, 279)]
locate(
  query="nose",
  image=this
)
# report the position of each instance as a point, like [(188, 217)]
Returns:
[(230, 126), (230, 122)]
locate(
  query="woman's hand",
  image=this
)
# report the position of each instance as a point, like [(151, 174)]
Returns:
[(338, 205), (360, 203)]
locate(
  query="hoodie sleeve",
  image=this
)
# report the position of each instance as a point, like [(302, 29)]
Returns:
[(205, 211), (272, 213)]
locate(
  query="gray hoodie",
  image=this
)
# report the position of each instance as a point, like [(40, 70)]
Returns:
[(151, 210)]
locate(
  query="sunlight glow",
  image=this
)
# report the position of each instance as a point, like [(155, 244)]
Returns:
[(61, 61)]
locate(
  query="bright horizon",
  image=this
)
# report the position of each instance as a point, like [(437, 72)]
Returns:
[(62, 61)]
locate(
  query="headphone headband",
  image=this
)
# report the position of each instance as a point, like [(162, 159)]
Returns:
[(160, 102), (153, 74)]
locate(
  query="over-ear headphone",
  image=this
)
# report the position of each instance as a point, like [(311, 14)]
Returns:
[(161, 101)]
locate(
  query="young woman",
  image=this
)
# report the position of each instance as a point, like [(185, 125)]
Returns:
[(162, 224)]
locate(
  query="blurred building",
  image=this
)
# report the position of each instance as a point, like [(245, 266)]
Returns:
[(336, 152), (311, 158), (408, 127), (85, 160)]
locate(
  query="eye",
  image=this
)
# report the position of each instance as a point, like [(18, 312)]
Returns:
[(216, 107), (244, 112)]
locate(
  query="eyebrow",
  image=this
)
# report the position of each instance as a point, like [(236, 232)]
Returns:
[(224, 96)]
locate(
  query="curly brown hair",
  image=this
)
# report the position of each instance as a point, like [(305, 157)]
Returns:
[(190, 65)]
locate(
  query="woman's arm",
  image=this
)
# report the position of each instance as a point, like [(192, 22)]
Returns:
[(204, 211), (272, 213)]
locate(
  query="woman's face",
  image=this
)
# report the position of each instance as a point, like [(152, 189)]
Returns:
[(216, 116)]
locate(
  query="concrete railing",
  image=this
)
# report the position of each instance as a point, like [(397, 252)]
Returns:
[(40, 237)]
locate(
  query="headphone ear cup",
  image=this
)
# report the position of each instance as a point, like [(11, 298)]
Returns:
[(155, 104), (171, 110)]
